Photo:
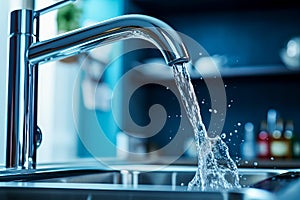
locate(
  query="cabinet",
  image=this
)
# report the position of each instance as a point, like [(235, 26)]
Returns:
[(245, 33), (250, 35)]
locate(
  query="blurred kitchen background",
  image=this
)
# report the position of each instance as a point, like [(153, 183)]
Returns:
[(254, 44)]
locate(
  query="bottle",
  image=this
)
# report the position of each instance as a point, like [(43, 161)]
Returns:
[(289, 136), (263, 142), (271, 120), (248, 151), (272, 116), (296, 148), (294, 141), (279, 144)]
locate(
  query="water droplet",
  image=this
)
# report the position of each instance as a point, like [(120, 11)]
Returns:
[(229, 140), (230, 133), (215, 111), (272, 158), (235, 131), (210, 110), (180, 116), (293, 175), (239, 124), (223, 135), (169, 116), (255, 163), (231, 100), (176, 115), (200, 54), (229, 105), (225, 85), (167, 88), (181, 184), (170, 138), (243, 140), (246, 161)]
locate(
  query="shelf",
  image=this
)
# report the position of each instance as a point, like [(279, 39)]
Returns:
[(159, 70), (275, 164), (272, 70), (253, 73)]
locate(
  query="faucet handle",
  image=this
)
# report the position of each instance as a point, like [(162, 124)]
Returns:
[(38, 137), (53, 7)]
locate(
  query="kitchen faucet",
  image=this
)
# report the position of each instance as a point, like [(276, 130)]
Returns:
[(27, 52)]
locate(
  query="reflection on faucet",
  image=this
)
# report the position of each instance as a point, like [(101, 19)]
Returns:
[(26, 52)]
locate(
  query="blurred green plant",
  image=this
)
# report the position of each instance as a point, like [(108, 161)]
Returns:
[(68, 18)]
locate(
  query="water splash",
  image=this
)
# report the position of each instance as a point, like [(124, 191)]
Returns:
[(216, 170)]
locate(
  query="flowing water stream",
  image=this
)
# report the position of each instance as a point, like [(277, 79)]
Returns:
[(216, 170)]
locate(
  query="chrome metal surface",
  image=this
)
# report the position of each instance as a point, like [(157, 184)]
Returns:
[(247, 177), (136, 178), (115, 191), (53, 7), (124, 27), (26, 54), (130, 175), (172, 175), (22, 83), (166, 183)]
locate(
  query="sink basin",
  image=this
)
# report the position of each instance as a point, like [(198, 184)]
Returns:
[(182, 175), (151, 175), (128, 181)]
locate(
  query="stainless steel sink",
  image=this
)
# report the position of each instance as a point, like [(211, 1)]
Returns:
[(153, 175), (103, 177), (129, 181), (247, 177), (181, 176)]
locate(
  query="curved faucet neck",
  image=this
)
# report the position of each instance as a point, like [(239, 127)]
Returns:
[(120, 28)]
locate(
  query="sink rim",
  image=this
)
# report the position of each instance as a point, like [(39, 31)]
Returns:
[(67, 171), (188, 168)]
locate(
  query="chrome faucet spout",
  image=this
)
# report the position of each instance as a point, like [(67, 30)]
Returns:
[(120, 28), (26, 52)]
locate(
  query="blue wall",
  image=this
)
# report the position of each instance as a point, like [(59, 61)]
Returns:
[(105, 133)]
